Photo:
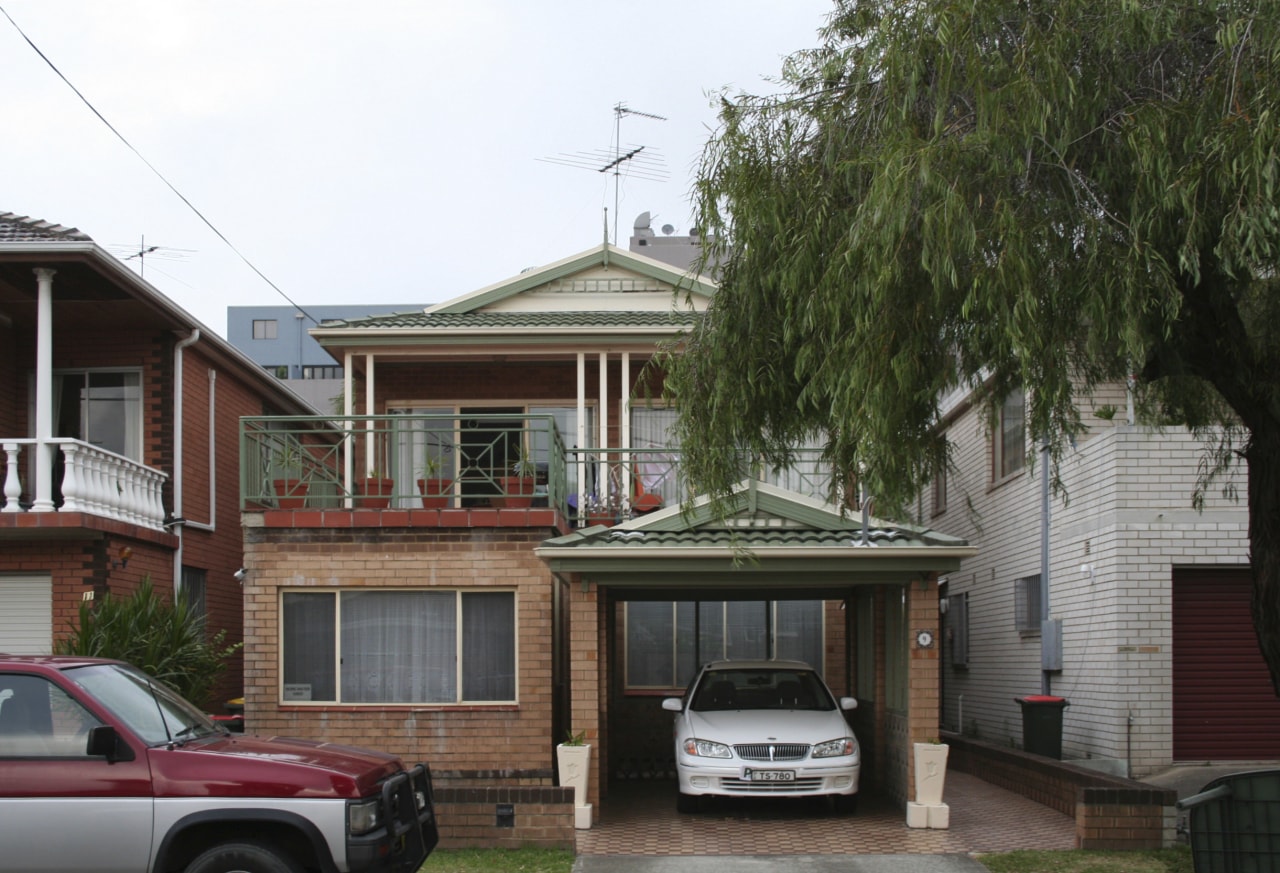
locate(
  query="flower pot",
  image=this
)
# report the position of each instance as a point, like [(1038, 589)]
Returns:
[(574, 765), (606, 520), (375, 492), (290, 493), (931, 771), (517, 491), (436, 493)]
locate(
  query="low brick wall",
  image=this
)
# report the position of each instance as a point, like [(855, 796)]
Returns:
[(503, 810), (1110, 812)]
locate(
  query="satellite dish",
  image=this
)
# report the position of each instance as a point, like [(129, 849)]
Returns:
[(668, 229)]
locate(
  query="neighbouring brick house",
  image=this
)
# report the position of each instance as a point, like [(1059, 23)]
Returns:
[(472, 619), (1149, 635), (119, 426)]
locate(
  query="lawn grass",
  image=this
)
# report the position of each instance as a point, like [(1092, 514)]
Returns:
[(499, 861), (1175, 860)]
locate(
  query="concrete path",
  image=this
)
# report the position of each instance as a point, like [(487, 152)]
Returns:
[(777, 864)]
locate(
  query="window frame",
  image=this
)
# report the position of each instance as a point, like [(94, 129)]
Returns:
[(1005, 464), (265, 328), (459, 646), (1027, 606)]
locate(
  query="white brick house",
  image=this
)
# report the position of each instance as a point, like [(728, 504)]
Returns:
[(1158, 661)]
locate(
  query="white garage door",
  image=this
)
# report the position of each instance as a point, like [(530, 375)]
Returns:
[(26, 615)]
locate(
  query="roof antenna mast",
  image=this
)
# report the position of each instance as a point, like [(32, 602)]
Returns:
[(640, 163)]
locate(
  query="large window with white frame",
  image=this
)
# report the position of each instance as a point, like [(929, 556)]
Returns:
[(398, 645), (666, 641)]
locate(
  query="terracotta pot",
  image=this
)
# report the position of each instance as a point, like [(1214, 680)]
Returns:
[(290, 493), (436, 493), (518, 491), (375, 493)]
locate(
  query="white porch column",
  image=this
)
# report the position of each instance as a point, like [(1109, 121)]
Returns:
[(624, 427), (44, 391), (348, 409), (604, 400), (370, 456), (579, 460)]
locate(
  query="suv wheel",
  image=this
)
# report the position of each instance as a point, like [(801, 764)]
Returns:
[(243, 858)]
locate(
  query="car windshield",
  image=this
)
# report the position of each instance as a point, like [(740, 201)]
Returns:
[(761, 688), (147, 707)]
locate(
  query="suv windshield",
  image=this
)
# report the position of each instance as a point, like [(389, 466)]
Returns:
[(147, 707)]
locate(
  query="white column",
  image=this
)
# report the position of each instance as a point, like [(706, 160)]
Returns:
[(44, 391), (624, 427), (581, 437), (604, 400), (370, 456), (348, 409)]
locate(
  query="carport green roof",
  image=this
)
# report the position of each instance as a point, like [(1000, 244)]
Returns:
[(767, 537)]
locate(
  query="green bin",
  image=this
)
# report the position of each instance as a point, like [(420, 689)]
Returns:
[(1042, 724)]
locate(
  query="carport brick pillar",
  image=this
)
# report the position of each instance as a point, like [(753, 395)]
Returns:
[(585, 686), (923, 699)]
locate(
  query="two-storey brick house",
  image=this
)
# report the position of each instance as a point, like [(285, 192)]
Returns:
[(472, 619), (119, 427), (1116, 595)]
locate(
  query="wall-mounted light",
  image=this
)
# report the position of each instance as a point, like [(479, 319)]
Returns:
[(122, 557), (240, 574)]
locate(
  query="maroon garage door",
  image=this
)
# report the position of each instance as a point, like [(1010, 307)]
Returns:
[(1224, 707)]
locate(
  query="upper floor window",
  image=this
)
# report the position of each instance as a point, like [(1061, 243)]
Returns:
[(264, 328), (102, 408), (1009, 443), (280, 371), (321, 372)]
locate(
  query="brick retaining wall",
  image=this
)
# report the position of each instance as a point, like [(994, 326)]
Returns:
[(1110, 812)]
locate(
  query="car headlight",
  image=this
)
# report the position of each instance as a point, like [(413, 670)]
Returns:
[(364, 816), (835, 748), (706, 749)]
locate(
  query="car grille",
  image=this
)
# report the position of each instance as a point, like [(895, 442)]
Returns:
[(772, 751)]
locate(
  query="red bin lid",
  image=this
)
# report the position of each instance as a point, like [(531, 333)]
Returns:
[(1042, 698)]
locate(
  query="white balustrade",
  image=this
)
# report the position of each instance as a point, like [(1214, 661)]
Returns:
[(94, 481)]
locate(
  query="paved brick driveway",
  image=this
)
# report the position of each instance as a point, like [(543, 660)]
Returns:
[(639, 818)]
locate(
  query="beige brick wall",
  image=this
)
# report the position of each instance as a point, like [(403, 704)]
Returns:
[(447, 737), (1127, 515)]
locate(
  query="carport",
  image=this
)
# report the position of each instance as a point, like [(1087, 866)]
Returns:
[(876, 583)]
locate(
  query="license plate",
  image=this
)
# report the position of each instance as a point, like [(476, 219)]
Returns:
[(770, 775)]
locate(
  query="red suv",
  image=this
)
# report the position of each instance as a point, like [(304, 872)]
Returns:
[(102, 768)]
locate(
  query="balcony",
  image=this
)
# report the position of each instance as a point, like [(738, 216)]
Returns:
[(463, 462), (83, 478)]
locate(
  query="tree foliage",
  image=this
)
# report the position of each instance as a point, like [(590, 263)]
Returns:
[(164, 639), (991, 193)]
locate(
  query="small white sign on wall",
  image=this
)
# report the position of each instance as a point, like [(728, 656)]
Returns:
[(297, 691)]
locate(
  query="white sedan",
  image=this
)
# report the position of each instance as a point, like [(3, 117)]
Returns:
[(763, 728)]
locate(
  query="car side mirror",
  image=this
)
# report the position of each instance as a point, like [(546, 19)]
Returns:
[(848, 703), (104, 742), (673, 704)]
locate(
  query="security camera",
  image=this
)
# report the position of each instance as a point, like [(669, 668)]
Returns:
[(240, 574)]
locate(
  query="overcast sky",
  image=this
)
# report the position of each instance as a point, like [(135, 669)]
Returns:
[(387, 151)]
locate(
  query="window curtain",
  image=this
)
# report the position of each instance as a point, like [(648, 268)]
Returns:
[(488, 646), (399, 647), (657, 470), (309, 646)]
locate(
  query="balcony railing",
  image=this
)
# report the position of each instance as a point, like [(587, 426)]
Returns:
[(84, 478), (446, 461)]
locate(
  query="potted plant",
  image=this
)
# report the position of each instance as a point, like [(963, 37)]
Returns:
[(517, 488), (435, 490), (603, 511), (375, 491), (931, 771), (573, 761), (290, 486)]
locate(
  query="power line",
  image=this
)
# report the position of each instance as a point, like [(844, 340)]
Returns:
[(150, 167)]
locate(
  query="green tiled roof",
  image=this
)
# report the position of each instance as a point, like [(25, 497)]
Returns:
[(508, 320), (757, 538)]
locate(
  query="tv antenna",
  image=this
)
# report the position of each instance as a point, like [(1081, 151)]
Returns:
[(640, 161), (142, 251)]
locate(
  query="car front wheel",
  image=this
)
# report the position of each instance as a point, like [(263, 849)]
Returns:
[(243, 857)]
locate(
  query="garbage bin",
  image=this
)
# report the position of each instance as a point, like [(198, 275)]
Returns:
[(1235, 823), (1042, 724)]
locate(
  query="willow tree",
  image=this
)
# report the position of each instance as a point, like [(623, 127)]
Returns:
[(993, 193)]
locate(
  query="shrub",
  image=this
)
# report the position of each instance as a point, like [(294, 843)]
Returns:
[(165, 639)]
